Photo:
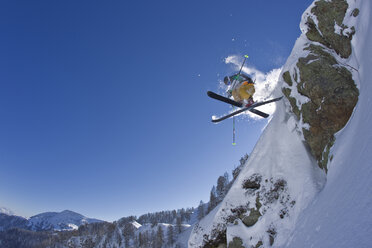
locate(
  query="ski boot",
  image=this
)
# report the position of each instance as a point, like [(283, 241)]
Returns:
[(249, 102)]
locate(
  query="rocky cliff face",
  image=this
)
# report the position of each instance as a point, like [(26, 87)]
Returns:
[(288, 166), (322, 76)]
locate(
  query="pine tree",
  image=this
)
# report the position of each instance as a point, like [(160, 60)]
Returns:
[(179, 225), (146, 239), (237, 170), (170, 235), (128, 233), (189, 211), (221, 187), (182, 214), (159, 237), (227, 178), (201, 210), (212, 199), (136, 241), (140, 240), (153, 239), (174, 216)]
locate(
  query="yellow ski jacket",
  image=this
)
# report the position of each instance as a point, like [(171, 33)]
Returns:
[(243, 91)]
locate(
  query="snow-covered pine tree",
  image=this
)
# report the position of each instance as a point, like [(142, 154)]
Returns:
[(170, 235), (212, 199), (201, 212), (179, 225), (159, 237), (221, 187)]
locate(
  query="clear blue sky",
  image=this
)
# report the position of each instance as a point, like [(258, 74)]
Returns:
[(103, 111)]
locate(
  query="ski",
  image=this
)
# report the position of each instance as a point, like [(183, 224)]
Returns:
[(224, 99), (251, 107), (235, 103), (257, 112)]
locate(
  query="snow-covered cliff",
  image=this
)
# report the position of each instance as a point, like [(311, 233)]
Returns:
[(316, 130), (341, 214)]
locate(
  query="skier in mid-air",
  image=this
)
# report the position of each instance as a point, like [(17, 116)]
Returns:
[(241, 88)]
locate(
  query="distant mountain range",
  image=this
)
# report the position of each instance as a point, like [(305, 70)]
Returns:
[(53, 229), (62, 221)]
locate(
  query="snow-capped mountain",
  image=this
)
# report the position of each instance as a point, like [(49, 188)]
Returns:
[(65, 220), (6, 211), (307, 181), (49, 221), (12, 221)]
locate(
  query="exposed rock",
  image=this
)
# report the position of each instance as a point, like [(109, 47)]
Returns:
[(287, 78), (252, 218), (217, 238), (270, 191), (355, 12), (329, 14), (254, 214), (275, 191), (259, 244), (236, 243), (253, 182), (292, 101), (333, 96), (272, 234), (327, 84)]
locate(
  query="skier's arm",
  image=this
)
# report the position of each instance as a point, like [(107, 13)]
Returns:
[(229, 91)]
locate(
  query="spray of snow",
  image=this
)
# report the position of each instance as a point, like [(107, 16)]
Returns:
[(265, 83)]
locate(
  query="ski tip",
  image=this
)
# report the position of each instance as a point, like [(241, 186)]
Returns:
[(215, 120)]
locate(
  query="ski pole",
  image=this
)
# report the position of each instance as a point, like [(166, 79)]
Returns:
[(236, 78), (241, 68), (234, 131), (240, 71), (233, 143)]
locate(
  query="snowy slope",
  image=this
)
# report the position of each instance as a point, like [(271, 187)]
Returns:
[(65, 220), (341, 215), (278, 155)]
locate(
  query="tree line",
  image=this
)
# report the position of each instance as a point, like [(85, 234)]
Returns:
[(219, 191)]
